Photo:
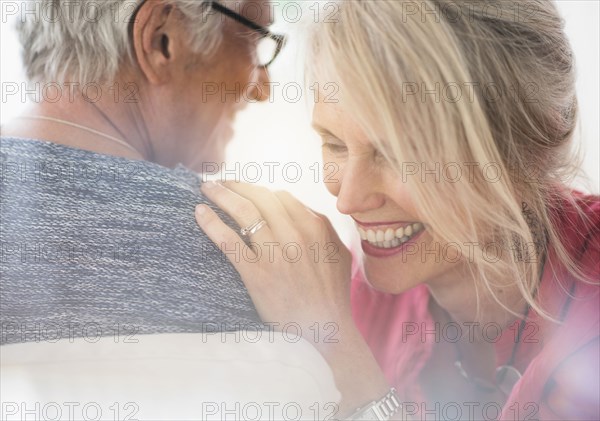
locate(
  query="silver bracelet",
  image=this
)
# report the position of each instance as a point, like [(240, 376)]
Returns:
[(381, 410)]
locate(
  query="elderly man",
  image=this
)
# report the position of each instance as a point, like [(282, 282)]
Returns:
[(99, 182)]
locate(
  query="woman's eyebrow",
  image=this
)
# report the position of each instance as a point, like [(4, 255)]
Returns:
[(323, 131)]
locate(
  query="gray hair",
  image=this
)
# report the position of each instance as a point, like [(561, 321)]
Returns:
[(87, 41)]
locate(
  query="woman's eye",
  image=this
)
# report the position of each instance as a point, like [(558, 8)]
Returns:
[(334, 148)]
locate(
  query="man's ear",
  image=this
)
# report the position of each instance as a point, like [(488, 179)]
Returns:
[(153, 40)]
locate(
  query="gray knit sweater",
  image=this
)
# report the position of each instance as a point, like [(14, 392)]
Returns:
[(95, 245)]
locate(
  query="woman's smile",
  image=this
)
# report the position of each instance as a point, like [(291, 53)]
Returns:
[(384, 239)]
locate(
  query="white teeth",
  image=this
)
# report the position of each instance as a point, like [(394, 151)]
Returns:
[(362, 233), (390, 238), (371, 236), (389, 234)]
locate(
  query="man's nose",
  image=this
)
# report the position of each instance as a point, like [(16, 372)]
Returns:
[(261, 90)]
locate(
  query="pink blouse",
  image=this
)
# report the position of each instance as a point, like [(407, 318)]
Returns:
[(395, 327)]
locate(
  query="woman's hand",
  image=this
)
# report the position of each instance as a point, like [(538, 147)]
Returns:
[(297, 269)]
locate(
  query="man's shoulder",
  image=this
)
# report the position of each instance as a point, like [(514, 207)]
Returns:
[(88, 238), (42, 163)]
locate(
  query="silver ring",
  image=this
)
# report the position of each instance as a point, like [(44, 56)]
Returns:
[(253, 227)]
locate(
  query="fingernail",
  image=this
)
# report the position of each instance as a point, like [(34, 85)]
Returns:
[(200, 210), (210, 185)]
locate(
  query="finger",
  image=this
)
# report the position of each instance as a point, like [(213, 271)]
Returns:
[(226, 239), (242, 210), (300, 212), (297, 210), (268, 204)]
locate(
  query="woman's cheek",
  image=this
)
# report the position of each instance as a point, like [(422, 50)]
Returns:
[(398, 191), (332, 174)]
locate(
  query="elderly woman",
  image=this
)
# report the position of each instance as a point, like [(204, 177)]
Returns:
[(476, 296), (99, 177)]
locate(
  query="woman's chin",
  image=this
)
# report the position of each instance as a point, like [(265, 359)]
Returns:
[(387, 278)]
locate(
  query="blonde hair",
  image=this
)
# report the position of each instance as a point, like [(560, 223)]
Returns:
[(482, 84)]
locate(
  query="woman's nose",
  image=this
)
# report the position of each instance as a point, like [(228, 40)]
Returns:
[(261, 90), (357, 190)]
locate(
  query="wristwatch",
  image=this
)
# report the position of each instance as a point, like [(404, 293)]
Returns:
[(381, 410)]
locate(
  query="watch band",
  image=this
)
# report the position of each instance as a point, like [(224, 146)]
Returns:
[(381, 410)]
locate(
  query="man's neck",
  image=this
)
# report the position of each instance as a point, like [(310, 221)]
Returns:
[(113, 115)]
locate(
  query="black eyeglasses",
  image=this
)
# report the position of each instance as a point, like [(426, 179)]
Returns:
[(269, 44)]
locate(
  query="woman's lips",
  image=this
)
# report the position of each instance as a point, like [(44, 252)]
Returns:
[(380, 224)]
